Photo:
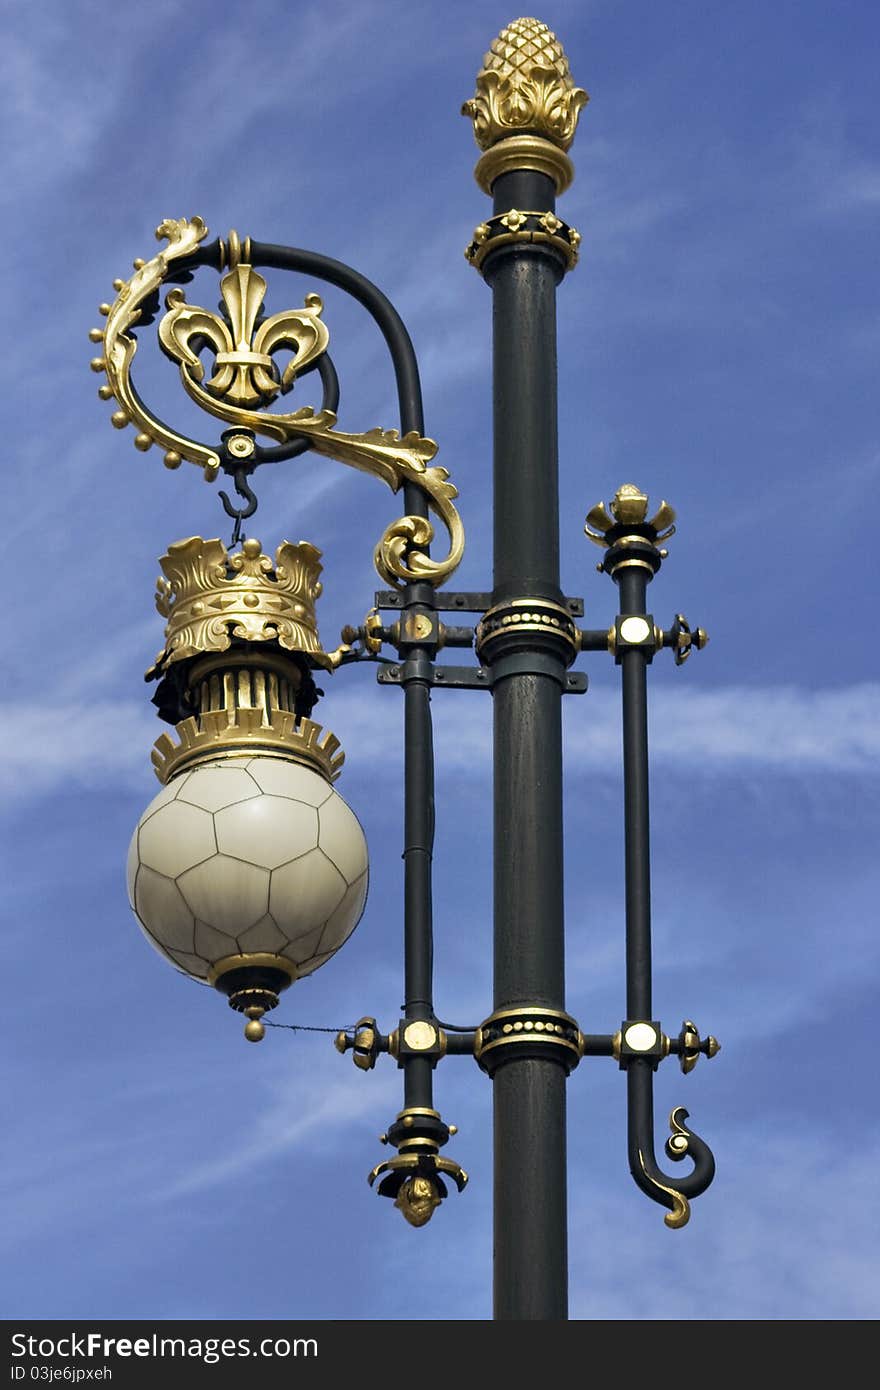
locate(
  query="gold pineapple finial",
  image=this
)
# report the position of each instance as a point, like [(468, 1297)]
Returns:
[(525, 87)]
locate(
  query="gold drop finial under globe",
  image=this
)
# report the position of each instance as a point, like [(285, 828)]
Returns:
[(525, 87), (255, 1029)]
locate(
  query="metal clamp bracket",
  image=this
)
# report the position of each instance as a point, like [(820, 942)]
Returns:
[(471, 601), (483, 677), (417, 1038)]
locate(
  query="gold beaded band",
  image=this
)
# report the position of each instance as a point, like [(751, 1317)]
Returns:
[(501, 625), (529, 1030)]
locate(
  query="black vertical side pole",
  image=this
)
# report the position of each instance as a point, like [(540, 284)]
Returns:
[(418, 850), (531, 1258), (632, 582)]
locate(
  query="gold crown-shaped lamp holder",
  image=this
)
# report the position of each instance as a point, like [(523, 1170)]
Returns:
[(241, 641)]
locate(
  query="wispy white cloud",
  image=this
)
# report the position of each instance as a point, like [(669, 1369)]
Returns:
[(295, 1110), (784, 1238), (834, 177), (59, 121), (783, 728), (829, 486), (733, 729), (86, 744)]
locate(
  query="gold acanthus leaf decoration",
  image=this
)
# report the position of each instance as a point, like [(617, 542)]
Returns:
[(384, 454)]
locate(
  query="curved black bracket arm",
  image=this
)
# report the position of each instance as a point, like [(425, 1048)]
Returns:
[(380, 308), (417, 648), (416, 598), (419, 768)]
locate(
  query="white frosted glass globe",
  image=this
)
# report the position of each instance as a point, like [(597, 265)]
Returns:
[(248, 855)]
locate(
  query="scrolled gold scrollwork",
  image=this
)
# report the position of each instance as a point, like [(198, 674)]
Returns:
[(677, 1145), (382, 453), (244, 377), (680, 1210), (183, 235)]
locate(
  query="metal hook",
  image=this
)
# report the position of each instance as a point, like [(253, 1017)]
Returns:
[(238, 514), (243, 489)]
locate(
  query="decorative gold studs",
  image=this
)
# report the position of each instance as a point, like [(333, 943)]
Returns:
[(241, 446)]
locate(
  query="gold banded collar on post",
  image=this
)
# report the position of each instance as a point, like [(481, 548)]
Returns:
[(524, 228), (502, 626), (529, 1030)]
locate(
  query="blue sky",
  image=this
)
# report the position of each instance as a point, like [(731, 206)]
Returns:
[(718, 345)]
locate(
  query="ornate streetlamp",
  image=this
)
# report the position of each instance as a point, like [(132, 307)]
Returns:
[(248, 870)]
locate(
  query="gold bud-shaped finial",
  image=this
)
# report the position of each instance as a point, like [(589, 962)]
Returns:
[(418, 1199), (525, 87), (629, 505)]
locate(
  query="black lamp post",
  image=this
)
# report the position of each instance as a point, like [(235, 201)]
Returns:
[(250, 779)]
